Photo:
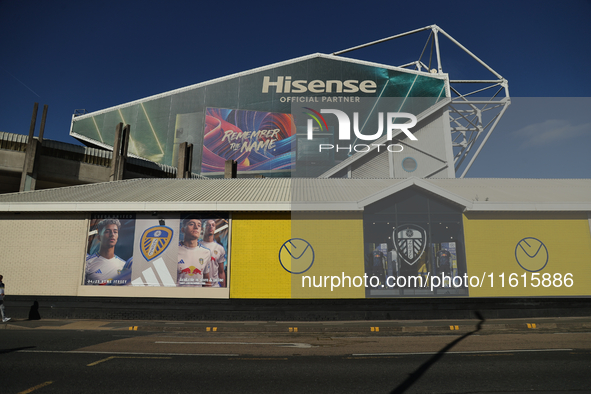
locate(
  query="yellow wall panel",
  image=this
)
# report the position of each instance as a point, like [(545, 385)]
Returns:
[(255, 269), (334, 240), (337, 239), (506, 244)]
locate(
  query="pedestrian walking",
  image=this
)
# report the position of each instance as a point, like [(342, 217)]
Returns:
[(4, 318)]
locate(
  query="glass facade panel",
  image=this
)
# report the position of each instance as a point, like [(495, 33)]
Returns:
[(288, 94)]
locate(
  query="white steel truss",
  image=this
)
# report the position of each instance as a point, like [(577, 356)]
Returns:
[(477, 105)]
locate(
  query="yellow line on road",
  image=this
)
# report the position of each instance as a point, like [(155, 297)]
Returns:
[(113, 357), (35, 388)]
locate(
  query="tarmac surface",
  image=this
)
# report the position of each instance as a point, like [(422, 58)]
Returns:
[(377, 328), (412, 356)]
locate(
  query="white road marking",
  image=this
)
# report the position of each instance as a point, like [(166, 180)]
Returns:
[(280, 344), (126, 353), (466, 352)]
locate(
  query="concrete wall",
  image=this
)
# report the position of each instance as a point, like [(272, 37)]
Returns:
[(42, 252)]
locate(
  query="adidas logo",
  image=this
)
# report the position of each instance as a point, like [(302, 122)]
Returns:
[(98, 272), (150, 276), (182, 262)]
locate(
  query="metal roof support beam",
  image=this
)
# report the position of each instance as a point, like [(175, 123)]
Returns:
[(419, 62), (439, 67), (382, 40), (467, 126), (499, 116), (470, 53), (475, 91), (496, 81)]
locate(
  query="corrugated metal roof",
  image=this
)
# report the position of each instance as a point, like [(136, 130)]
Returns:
[(299, 193), (163, 190), (518, 190)]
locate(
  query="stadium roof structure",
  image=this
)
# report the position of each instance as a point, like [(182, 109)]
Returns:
[(299, 194), (474, 107), (477, 104)]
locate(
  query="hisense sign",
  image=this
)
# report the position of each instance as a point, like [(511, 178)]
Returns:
[(284, 84)]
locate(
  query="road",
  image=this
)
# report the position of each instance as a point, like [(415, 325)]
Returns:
[(41, 360)]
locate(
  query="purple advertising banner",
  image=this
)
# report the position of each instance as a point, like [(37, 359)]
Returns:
[(257, 141)]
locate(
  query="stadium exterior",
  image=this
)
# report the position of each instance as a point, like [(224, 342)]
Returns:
[(343, 212)]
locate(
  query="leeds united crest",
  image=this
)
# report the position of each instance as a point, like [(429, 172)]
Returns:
[(410, 241), (154, 241)]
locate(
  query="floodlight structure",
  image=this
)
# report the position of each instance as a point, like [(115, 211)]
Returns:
[(474, 112)]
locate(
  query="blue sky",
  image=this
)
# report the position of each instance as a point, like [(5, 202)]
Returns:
[(82, 55)]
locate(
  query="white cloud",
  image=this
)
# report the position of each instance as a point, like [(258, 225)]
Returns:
[(551, 131)]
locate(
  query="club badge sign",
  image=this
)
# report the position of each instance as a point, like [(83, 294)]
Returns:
[(155, 240), (296, 256), (410, 241)]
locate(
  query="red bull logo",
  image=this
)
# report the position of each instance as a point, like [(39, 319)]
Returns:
[(191, 271)]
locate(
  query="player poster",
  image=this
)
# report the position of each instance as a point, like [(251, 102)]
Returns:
[(173, 250), (202, 239), (110, 249)]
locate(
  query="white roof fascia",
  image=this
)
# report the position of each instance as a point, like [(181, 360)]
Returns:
[(273, 207), (180, 206), (109, 147), (421, 183), (254, 71), (141, 207), (443, 76), (253, 206), (345, 163), (92, 141), (487, 206), (326, 206), (198, 85)]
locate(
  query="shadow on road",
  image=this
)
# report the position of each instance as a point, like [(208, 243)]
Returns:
[(416, 375), (16, 349)]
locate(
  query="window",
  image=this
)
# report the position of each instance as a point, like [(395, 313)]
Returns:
[(409, 238)]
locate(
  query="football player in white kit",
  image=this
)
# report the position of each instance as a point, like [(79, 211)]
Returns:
[(194, 267), (218, 254), (104, 267)]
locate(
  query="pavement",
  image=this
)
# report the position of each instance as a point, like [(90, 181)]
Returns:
[(335, 328)]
